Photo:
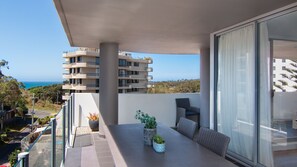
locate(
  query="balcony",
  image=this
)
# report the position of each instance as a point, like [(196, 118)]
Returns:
[(149, 77), (137, 77), (67, 140), (68, 65), (124, 86), (81, 76), (66, 96), (138, 85), (149, 69), (75, 53), (80, 87)]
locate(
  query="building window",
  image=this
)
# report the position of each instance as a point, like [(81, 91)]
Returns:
[(274, 60), (97, 91), (97, 60), (79, 81), (97, 82), (78, 70), (283, 60), (273, 75), (273, 67), (78, 59), (283, 67), (122, 63), (136, 64)]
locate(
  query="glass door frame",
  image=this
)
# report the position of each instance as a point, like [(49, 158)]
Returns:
[(214, 78)]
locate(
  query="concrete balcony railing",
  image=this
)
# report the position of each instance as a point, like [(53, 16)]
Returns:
[(80, 75), (80, 52), (124, 86), (81, 64), (137, 77), (123, 75), (80, 87), (149, 69), (138, 85), (149, 77)]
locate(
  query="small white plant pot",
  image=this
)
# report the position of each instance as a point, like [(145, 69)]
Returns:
[(160, 148)]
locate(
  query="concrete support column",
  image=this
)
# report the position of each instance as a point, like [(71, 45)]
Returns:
[(204, 86), (108, 100)]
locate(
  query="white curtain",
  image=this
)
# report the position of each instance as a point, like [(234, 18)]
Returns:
[(236, 89), (266, 157)]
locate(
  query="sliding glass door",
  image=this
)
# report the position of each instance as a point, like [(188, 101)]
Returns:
[(256, 90), (235, 89)]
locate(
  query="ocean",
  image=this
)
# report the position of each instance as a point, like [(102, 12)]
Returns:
[(35, 84)]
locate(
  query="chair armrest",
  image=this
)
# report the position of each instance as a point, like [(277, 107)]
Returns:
[(180, 112), (196, 109)]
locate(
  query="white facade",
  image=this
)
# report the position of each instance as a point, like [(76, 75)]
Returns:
[(283, 72), (83, 70)]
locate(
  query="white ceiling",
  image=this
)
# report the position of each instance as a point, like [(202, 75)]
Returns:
[(155, 26)]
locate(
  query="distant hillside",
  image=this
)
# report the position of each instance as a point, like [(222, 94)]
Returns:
[(179, 86)]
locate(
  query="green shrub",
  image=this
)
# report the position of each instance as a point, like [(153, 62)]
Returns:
[(13, 157), (45, 120)]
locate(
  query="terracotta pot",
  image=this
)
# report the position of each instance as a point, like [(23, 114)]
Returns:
[(94, 125)]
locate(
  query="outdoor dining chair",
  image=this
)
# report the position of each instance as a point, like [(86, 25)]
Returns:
[(186, 127), (214, 141)]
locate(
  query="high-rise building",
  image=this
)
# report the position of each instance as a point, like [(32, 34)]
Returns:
[(82, 68), (284, 75)]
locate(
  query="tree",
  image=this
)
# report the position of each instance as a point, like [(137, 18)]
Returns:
[(3, 63), (10, 92)]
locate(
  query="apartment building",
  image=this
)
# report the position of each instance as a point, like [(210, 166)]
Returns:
[(284, 75), (82, 68)]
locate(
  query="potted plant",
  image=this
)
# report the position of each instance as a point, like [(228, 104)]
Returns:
[(159, 144), (94, 121), (150, 125)]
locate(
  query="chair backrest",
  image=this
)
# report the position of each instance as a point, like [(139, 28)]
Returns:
[(214, 141), (186, 127), (183, 103)]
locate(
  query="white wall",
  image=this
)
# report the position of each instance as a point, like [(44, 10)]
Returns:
[(162, 106), (284, 105), (85, 103)]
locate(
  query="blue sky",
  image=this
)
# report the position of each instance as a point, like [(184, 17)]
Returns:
[(32, 40)]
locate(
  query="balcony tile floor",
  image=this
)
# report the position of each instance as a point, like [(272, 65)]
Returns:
[(89, 150)]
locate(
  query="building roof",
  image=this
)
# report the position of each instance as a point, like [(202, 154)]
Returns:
[(155, 26)]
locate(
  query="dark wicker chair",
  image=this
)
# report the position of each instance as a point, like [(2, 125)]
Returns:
[(187, 127), (184, 109), (214, 141)]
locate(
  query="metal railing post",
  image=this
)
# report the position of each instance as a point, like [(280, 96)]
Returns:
[(73, 108), (53, 151), (64, 133), (71, 114), (24, 158), (68, 121)]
